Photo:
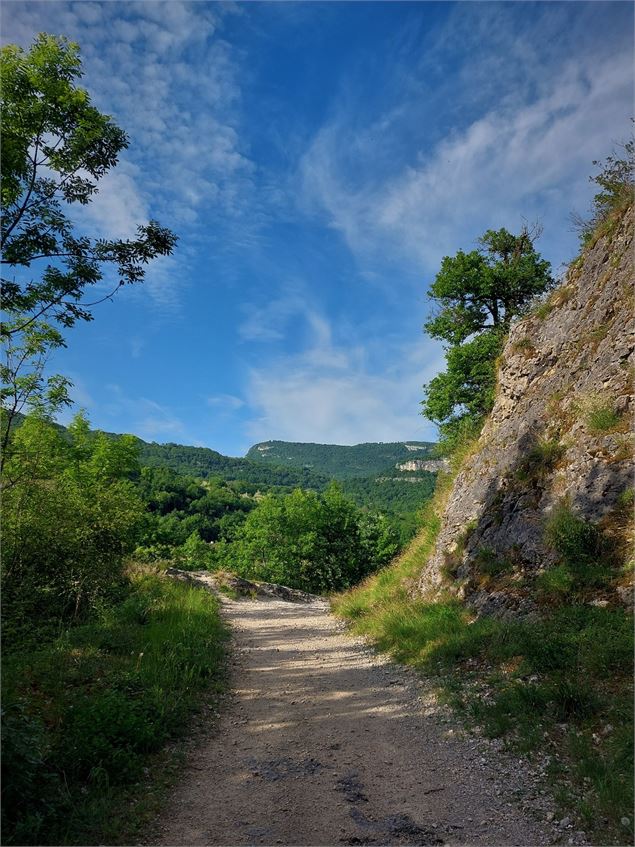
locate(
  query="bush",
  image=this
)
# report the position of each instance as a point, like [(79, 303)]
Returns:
[(70, 516), (577, 541), (616, 181), (314, 542)]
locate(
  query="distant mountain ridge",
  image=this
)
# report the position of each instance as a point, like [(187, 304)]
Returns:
[(205, 462), (339, 461)]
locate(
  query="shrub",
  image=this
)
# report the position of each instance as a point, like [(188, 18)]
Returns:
[(576, 540), (616, 181)]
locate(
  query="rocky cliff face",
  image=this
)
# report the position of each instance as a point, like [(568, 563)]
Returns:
[(559, 433)]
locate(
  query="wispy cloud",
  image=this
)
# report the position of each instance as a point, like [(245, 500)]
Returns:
[(272, 320), (513, 158), (148, 419), (225, 403), (333, 394)]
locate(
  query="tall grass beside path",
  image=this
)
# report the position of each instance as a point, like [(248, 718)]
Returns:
[(86, 716)]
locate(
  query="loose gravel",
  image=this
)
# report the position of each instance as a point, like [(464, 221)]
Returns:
[(324, 742)]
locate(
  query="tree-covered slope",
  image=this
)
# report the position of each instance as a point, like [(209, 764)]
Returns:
[(204, 462), (338, 461)]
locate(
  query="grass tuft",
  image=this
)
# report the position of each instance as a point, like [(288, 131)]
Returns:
[(540, 460), (602, 417)]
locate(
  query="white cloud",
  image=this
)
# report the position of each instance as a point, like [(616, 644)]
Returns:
[(526, 150), (330, 394), (225, 402), (118, 207)]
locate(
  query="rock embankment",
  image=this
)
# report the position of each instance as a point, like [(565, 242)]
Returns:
[(430, 465), (559, 432)]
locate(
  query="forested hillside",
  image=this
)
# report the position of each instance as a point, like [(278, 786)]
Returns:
[(204, 462), (338, 461)]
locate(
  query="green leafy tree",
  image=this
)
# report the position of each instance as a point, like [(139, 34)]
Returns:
[(314, 542), (194, 553), (23, 385), (477, 295), (56, 146), (69, 519)]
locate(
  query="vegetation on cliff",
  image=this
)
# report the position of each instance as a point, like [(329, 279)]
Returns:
[(477, 295)]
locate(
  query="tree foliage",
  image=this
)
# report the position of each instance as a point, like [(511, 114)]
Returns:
[(23, 384), (616, 181), (56, 146), (70, 516), (477, 295), (488, 287), (311, 541)]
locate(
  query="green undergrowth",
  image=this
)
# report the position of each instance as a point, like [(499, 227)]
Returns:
[(561, 684), (86, 717)]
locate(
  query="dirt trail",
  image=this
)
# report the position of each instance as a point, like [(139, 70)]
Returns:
[(325, 743)]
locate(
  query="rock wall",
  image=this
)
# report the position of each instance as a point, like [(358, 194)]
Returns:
[(560, 430)]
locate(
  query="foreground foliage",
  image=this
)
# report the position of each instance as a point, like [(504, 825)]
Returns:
[(71, 513), (56, 147), (83, 713)]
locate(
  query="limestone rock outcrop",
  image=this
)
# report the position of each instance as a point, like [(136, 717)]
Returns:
[(560, 430), (430, 465)]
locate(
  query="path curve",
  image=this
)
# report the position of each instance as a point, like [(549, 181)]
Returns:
[(324, 742)]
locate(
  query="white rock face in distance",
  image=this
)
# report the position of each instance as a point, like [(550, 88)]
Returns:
[(430, 465)]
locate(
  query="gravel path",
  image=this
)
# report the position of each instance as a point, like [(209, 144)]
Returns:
[(323, 742)]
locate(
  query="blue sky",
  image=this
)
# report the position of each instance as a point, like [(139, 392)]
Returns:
[(317, 161)]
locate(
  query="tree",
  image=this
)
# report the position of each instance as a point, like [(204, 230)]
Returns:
[(56, 147), (24, 388), (314, 542), (478, 294)]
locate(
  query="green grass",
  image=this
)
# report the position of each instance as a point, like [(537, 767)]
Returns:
[(540, 460), (86, 717), (554, 683), (602, 417)]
